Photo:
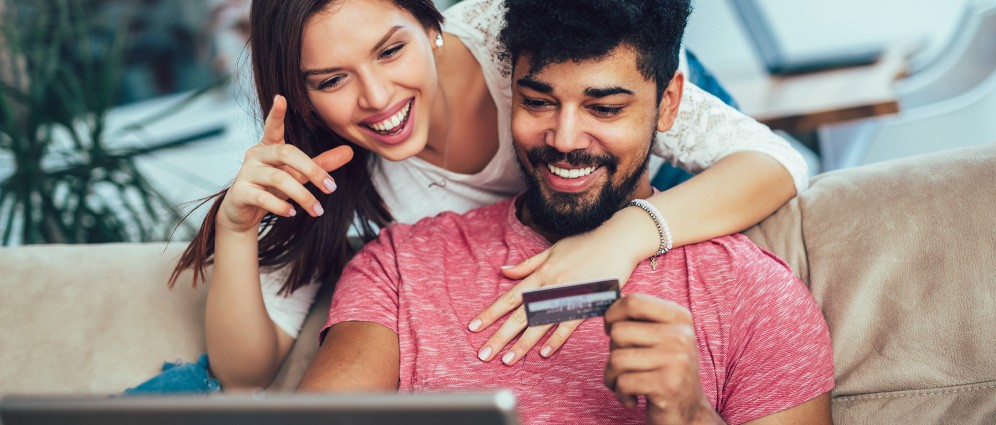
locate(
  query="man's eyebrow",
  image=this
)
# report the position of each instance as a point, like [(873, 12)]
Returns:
[(530, 83), (376, 47), (606, 92)]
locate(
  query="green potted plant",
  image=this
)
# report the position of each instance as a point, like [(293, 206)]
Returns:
[(67, 180)]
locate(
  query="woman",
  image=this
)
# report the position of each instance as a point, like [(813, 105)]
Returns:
[(377, 112)]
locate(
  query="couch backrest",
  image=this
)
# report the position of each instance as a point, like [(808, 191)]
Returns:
[(901, 256)]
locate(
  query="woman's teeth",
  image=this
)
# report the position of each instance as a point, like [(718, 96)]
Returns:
[(570, 174), (393, 123)]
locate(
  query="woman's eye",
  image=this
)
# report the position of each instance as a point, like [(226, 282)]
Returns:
[(391, 52), (330, 83), (606, 111)]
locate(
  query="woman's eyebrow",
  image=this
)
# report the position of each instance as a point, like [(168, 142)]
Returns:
[(376, 47)]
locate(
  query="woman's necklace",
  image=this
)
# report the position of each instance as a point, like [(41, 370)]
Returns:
[(442, 179), (441, 183)]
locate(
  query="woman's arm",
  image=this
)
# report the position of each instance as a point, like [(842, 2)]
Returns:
[(245, 347)]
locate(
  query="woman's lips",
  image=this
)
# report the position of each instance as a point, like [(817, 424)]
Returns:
[(393, 134)]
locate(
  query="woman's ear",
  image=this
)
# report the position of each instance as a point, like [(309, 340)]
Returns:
[(668, 108)]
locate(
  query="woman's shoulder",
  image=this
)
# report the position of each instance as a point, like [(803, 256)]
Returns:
[(477, 23)]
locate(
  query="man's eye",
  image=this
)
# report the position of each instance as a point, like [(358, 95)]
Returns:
[(606, 111), (330, 83), (391, 52), (534, 103)]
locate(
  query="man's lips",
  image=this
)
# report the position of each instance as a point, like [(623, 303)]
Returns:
[(567, 178)]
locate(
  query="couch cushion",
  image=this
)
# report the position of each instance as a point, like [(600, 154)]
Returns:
[(93, 318), (902, 257)]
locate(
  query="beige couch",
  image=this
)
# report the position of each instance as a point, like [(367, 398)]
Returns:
[(901, 255)]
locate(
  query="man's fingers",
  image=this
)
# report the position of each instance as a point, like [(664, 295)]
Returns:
[(646, 308), (668, 336), (273, 128), (631, 385)]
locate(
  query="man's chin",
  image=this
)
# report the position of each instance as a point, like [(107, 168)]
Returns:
[(566, 213)]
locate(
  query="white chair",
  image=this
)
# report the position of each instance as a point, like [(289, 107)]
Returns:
[(951, 103)]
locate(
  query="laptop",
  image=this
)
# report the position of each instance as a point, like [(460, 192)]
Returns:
[(779, 61), (490, 408)]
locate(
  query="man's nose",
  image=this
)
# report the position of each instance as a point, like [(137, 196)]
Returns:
[(375, 91), (568, 133)]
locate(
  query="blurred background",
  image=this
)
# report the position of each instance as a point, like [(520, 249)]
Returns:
[(116, 114)]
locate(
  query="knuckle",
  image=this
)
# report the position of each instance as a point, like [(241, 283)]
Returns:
[(260, 198), (285, 153), (251, 153), (511, 299), (276, 177), (520, 316)]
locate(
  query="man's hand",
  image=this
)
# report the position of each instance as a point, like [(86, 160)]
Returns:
[(653, 353)]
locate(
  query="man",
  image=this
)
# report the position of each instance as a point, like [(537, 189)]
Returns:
[(719, 331)]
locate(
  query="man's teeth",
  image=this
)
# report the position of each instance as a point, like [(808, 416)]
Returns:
[(572, 173), (394, 121)]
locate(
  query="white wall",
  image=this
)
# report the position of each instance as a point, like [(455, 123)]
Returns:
[(715, 35)]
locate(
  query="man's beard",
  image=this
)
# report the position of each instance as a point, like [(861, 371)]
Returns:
[(566, 214)]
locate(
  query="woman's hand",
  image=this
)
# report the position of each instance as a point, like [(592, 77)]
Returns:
[(273, 172), (608, 252)]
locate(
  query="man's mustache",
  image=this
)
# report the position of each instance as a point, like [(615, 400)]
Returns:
[(577, 158)]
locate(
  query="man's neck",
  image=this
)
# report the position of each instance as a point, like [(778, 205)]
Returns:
[(522, 212)]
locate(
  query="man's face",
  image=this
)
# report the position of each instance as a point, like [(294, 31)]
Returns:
[(583, 133)]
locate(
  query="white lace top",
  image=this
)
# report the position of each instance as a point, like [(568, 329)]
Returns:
[(705, 131)]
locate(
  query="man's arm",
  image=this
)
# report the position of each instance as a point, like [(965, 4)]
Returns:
[(815, 412), (653, 354), (355, 357)]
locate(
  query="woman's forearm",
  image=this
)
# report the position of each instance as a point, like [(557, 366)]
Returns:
[(736, 192), (245, 348)]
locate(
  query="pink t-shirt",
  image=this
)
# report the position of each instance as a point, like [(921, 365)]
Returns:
[(763, 345)]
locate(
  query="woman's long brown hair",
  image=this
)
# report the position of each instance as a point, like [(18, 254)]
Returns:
[(314, 249)]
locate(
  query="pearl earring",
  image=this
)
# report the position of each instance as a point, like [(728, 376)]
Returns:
[(439, 40)]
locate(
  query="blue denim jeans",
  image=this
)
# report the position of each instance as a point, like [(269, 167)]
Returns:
[(669, 176), (180, 378)]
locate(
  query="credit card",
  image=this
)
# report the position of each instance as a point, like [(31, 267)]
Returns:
[(552, 304)]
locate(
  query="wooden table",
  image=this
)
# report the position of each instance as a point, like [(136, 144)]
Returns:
[(801, 103)]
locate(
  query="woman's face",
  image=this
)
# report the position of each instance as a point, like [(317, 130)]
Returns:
[(370, 74)]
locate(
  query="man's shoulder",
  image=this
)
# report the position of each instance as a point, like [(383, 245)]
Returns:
[(448, 224), (743, 266)]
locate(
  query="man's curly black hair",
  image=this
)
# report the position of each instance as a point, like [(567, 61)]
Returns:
[(554, 31)]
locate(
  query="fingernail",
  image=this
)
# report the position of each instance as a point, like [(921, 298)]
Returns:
[(506, 267), (545, 352), (475, 325), (318, 209), (484, 354), (508, 357), (293, 212), (329, 184)]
